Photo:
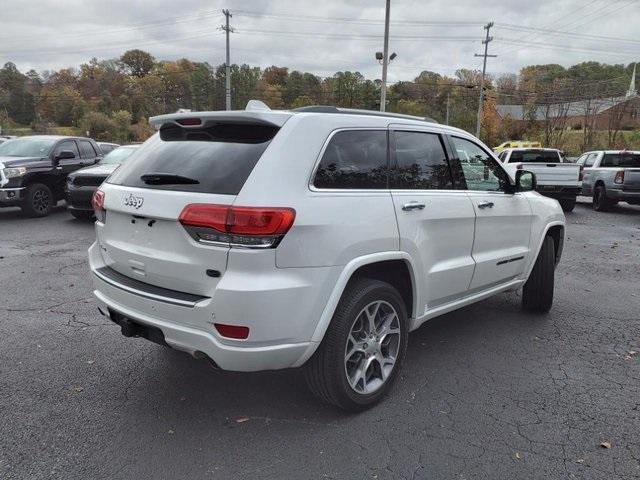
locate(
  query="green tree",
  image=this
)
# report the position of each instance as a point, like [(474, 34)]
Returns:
[(99, 126), (121, 121), (137, 62)]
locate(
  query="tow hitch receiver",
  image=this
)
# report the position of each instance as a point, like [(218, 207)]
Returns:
[(130, 328)]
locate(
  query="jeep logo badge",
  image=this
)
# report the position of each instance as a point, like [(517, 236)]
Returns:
[(132, 201)]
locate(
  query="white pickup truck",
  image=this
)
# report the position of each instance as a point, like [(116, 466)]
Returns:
[(555, 178)]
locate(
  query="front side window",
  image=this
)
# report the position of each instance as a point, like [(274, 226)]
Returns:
[(67, 145), (87, 149), (481, 171), (420, 162), (354, 159)]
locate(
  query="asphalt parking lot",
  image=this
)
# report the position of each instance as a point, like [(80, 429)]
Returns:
[(486, 392)]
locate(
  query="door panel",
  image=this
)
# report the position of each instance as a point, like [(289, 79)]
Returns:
[(68, 165), (501, 247)]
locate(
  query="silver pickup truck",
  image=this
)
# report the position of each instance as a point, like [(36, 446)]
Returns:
[(554, 177), (611, 176)]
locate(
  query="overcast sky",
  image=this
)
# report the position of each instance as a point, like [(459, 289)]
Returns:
[(321, 36)]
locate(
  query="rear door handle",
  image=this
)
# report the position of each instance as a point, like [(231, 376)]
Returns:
[(485, 205), (407, 207)]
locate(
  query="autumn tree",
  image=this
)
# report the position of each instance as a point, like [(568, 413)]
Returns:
[(137, 62)]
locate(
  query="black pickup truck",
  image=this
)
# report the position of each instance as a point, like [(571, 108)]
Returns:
[(33, 170)]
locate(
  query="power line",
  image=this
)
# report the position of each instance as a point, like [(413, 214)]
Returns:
[(465, 38), (519, 28)]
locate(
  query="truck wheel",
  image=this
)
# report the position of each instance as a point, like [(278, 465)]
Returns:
[(568, 204), (81, 214), (38, 200), (600, 201), (537, 293), (363, 348)]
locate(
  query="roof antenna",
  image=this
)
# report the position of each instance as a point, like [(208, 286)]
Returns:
[(257, 106)]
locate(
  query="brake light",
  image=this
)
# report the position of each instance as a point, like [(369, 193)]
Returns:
[(97, 202), (619, 179), (255, 227), (189, 122), (232, 331), (581, 173)]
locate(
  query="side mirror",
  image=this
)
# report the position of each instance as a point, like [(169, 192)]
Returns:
[(65, 155), (525, 181)]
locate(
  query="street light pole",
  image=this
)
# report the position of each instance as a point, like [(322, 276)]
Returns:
[(385, 59)]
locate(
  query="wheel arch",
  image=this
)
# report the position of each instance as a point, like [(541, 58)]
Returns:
[(555, 230), (393, 267)]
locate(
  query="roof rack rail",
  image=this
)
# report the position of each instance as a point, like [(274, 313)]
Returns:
[(354, 111)]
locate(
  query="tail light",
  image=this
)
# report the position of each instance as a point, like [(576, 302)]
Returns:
[(619, 179), (581, 174), (250, 227), (97, 201)]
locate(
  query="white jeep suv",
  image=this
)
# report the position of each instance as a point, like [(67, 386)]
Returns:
[(317, 237)]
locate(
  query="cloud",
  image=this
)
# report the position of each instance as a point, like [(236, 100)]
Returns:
[(51, 34)]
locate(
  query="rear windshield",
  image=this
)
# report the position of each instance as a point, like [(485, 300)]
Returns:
[(216, 159), (621, 160), (535, 156)]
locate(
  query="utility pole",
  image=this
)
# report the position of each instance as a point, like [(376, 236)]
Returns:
[(227, 80), (385, 59), (486, 41), (446, 120)]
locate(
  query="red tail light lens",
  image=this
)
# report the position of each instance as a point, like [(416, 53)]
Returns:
[(232, 331), (619, 177), (257, 227), (188, 122), (97, 201)]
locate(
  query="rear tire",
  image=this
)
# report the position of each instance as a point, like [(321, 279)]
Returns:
[(600, 201), (537, 293), (568, 204), (38, 200), (346, 370), (81, 215)]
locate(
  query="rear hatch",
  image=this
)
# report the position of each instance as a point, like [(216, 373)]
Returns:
[(548, 167), (204, 162), (630, 163)]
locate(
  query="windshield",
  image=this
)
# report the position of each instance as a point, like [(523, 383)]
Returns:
[(622, 159), (117, 156), (535, 156), (26, 147)]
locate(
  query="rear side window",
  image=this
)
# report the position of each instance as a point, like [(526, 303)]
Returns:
[(354, 159), (534, 156), (590, 160), (215, 159), (420, 162)]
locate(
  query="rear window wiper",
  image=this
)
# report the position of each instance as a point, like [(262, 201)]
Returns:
[(167, 179)]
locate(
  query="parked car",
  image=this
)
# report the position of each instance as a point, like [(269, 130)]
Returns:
[(107, 147), (33, 170), (4, 138), (82, 183), (555, 178), (516, 144), (611, 176), (317, 237)]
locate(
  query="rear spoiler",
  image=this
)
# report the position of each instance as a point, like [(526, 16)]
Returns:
[(238, 117)]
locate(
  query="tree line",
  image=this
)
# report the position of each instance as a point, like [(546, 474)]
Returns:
[(112, 99)]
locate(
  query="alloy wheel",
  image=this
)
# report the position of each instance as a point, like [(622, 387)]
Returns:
[(40, 201)]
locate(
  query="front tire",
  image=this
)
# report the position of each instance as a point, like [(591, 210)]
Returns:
[(38, 200), (568, 204), (363, 348), (537, 293)]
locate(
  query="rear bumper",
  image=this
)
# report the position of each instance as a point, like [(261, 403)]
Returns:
[(624, 195), (559, 192), (281, 307), (79, 198)]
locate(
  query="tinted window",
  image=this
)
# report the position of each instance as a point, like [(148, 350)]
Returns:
[(117, 156), (623, 159), (354, 159), (420, 162), (107, 147), (68, 145), (534, 156), (220, 158), (480, 170), (87, 149)]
